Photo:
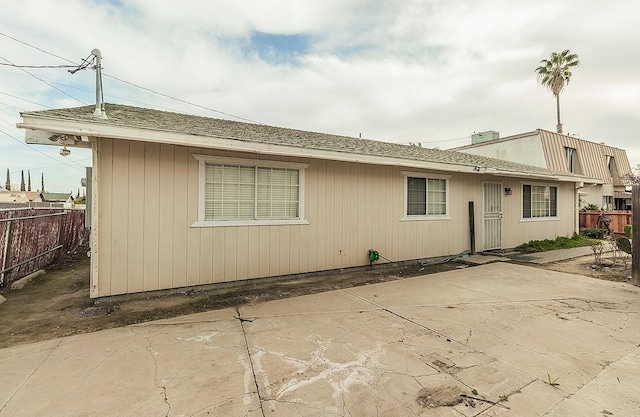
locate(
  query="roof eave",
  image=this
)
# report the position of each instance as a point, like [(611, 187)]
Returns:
[(39, 130)]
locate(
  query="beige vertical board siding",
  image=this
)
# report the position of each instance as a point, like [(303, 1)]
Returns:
[(218, 255), (264, 248), (253, 252), (151, 214), (206, 256), (517, 231), (135, 226), (361, 210), (105, 153), (120, 216), (311, 209), (348, 256), (166, 216), (294, 252), (94, 237), (242, 254), (397, 196), (333, 218), (149, 200), (284, 251), (321, 214), (194, 234), (274, 250), (230, 270), (180, 220)]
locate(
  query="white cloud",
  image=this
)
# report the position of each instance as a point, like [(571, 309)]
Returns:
[(398, 71)]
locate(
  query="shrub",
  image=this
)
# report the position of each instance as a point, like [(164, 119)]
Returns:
[(591, 206), (593, 233), (559, 242), (627, 230), (624, 244)]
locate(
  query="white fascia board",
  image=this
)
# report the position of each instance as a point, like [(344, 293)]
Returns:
[(554, 177), (92, 130)]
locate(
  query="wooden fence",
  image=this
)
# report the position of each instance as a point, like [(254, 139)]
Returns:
[(33, 238), (619, 219)]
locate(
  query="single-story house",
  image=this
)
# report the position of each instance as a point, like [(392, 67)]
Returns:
[(20, 196), (179, 200), (64, 200)]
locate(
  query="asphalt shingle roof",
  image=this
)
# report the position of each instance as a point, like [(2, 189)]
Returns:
[(156, 120)]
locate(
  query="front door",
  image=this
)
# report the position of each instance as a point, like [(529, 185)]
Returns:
[(492, 216)]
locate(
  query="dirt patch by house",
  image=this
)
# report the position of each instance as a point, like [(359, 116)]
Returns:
[(57, 303), (611, 268)]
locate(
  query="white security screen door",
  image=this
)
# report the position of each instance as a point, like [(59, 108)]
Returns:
[(492, 216)]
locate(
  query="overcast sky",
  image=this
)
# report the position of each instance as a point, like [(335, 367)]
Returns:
[(399, 71)]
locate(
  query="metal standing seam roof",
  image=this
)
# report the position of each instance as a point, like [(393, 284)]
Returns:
[(591, 155), (156, 120)]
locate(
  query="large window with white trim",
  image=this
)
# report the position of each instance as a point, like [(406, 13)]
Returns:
[(425, 195), (240, 191), (539, 201)]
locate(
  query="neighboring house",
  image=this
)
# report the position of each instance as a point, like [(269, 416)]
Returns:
[(20, 197), (179, 200), (64, 200), (566, 154)]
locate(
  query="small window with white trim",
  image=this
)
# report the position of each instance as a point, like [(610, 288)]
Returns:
[(539, 201), (244, 192), (426, 195)]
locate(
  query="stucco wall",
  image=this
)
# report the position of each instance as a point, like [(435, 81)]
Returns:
[(147, 202), (525, 150)]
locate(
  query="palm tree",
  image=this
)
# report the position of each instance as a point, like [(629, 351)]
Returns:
[(555, 72)]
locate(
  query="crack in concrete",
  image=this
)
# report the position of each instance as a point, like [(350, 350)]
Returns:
[(52, 349), (422, 326), (226, 400), (155, 372), (579, 388), (240, 318)]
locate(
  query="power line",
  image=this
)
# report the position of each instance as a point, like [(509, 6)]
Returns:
[(24, 99), (182, 101), (40, 152), (35, 47), (38, 66), (47, 83), (122, 81), (438, 141)]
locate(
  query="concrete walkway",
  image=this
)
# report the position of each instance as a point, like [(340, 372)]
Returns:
[(493, 340), (535, 258)]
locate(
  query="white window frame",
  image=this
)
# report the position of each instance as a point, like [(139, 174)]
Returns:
[(203, 160), (539, 219), (427, 176)]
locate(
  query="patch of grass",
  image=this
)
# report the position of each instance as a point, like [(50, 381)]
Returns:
[(561, 242), (553, 382)]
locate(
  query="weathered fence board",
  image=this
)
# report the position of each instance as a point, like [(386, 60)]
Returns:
[(33, 238), (619, 219)]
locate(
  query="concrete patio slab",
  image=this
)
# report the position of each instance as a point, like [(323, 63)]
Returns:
[(492, 340)]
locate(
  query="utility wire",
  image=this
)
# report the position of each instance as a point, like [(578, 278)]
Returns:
[(438, 141), (24, 99), (180, 100), (123, 81), (47, 83), (35, 47), (40, 152), (37, 66)]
